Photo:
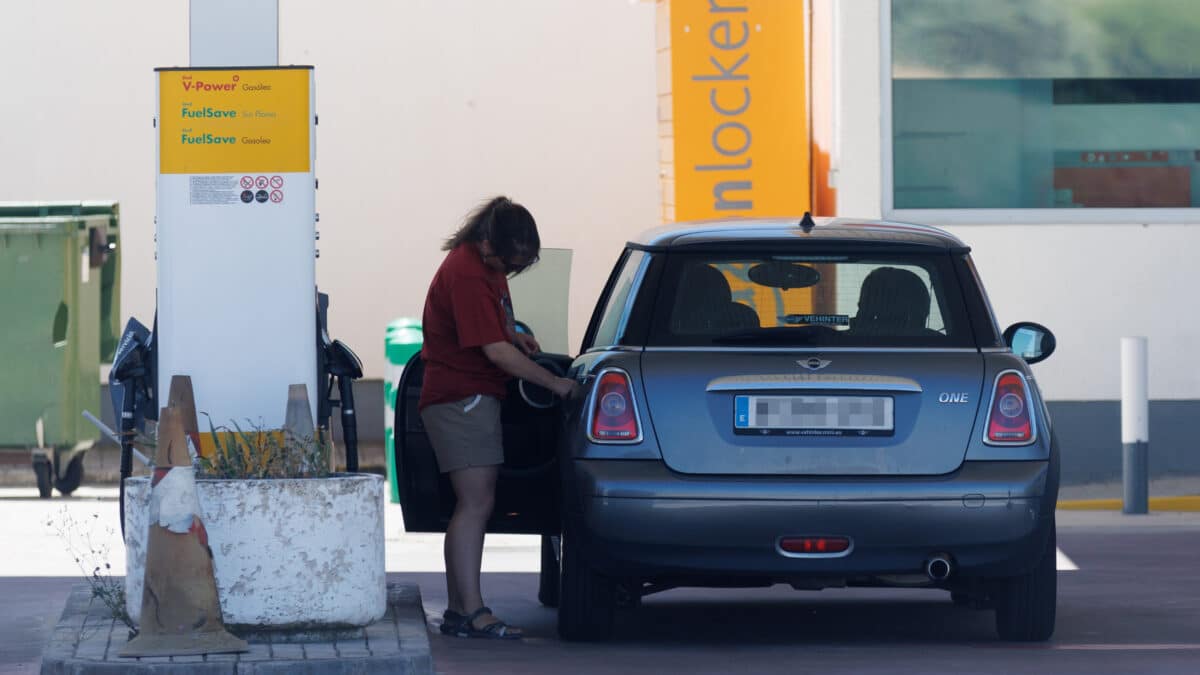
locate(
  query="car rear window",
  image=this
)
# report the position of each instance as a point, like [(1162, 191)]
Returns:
[(773, 299)]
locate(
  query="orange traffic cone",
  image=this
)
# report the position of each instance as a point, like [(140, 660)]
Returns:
[(183, 401), (181, 614)]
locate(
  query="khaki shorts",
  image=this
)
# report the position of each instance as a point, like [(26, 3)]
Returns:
[(465, 433)]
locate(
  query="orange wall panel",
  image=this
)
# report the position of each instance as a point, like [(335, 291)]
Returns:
[(741, 141)]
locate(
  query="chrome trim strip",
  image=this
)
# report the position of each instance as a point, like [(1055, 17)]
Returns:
[(787, 554), (820, 350), (987, 420), (616, 348), (828, 381), (591, 408)]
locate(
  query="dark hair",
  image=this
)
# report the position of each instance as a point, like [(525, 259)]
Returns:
[(507, 225)]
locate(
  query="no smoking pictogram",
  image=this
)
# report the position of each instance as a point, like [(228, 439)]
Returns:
[(247, 182), (276, 182), (260, 182), (276, 196)]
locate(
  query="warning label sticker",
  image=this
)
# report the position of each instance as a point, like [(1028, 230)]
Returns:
[(214, 190)]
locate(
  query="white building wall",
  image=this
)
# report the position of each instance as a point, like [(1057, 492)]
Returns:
[(1089, 283), (426, 108)]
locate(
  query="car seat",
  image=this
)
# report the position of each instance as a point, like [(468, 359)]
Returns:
[(892, 301), (705, 306)]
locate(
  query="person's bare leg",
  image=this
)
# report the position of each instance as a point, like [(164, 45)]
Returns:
[(453, 599), (475, 490)]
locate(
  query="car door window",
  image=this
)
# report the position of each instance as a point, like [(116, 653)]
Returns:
[(612, 320)]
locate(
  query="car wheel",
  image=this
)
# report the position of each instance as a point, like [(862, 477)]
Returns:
[(1025, 605), (586, 599), (548, 578)]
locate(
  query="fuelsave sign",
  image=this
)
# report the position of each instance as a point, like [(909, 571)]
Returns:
[(739, 108), (253, 120)]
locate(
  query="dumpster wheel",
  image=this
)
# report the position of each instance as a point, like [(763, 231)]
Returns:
[(69, 479), (45, 481)]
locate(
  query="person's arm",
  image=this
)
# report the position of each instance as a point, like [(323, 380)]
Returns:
[(508, 358)]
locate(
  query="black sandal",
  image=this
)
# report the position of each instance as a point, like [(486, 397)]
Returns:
[(454, 624), (498, 630)]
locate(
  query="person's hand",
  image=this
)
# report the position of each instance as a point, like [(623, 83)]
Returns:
[(527, 344), (565, 387)]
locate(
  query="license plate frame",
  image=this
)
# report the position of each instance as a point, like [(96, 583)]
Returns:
[(843, 415)]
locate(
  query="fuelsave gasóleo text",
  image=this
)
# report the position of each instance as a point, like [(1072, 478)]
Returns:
[(235, 121)]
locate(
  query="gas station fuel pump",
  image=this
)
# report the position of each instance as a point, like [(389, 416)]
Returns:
[(135, 399)]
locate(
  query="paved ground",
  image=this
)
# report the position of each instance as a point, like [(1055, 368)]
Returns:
[(1133, 606)]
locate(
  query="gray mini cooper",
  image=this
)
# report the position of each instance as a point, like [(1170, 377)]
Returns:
[(820, 404)]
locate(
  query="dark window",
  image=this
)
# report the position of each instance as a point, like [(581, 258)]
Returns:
[(770, 299), (612, 318)]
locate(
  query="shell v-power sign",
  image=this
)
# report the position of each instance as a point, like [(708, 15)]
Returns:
[(235, 227)]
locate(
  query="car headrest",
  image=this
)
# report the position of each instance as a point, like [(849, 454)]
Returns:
[(892, 299)]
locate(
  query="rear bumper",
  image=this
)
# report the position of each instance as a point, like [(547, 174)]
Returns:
[(637, 518)]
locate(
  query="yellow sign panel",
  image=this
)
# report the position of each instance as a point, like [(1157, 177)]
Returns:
[(740, 112), (231, 121)]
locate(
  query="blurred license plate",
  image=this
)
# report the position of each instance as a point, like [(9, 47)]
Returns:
[(814, 415)]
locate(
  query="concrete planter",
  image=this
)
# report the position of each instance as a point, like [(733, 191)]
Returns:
[(303, 554)]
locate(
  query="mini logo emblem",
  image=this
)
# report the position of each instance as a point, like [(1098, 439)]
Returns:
[(814, 363)]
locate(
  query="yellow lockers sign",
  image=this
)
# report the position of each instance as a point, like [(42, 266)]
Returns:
[(253, 120), (739, 108)]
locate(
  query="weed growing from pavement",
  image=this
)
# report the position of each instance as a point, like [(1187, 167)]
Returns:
[(92, 559)]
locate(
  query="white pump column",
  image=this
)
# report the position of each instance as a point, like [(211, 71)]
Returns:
[(235, 218)]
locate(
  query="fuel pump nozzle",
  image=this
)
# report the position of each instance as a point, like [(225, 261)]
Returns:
[(130, 381), (343, 364)]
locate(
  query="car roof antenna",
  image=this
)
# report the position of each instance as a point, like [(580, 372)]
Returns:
[(806, 223)]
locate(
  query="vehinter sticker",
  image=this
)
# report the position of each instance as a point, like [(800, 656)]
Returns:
[(214, 190), (816, 319)]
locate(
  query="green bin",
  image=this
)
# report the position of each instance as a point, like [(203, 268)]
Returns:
[(110, 270), (402, 339), (60, 274)]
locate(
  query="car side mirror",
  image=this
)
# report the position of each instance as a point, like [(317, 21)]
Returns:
[(1030, 341)]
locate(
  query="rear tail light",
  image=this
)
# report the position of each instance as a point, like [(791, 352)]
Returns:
[(614, 415), (1010, 417), (814, 546)]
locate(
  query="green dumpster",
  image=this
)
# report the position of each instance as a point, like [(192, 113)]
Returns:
[(60, 275), (402, 339)]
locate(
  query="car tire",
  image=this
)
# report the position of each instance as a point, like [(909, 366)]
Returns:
[(1025, 605), (548, 577), (586, 599)]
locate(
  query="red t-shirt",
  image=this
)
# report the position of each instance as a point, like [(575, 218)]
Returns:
[(467, 307)]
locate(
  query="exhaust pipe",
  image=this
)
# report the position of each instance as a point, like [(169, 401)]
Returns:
[(939, 567)]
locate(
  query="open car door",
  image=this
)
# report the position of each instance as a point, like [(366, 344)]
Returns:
[(527, 500), (527, 490)]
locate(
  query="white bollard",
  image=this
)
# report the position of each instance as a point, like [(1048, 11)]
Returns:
[(1135, 424)]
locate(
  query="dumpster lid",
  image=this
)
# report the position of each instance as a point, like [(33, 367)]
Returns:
[(49, 224)]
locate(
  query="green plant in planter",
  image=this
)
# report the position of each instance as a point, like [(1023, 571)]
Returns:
[(260, 453)]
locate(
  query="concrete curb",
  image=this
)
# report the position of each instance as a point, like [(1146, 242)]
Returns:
[(87, 639), (1186, 504)]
